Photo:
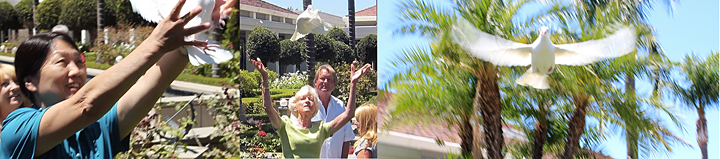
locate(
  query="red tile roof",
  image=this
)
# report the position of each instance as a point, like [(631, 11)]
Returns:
[(266, 5), (370, 11)]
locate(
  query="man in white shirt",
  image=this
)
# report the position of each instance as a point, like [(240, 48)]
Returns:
[(338, 145)]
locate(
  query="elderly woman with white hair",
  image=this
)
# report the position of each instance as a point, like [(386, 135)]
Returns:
[(302, 138)]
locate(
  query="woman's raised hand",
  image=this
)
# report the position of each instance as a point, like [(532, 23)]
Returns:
[(355, 75), (259, 66), (170, 33)]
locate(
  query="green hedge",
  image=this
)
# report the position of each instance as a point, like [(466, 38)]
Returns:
[(7, 54), (202, 79), (274, 94)]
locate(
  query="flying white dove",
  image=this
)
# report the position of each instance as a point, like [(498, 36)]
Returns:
[(542, 54), (157, 10), (309, 22)]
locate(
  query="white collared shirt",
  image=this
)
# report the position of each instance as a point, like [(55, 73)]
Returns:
[(332, 147)]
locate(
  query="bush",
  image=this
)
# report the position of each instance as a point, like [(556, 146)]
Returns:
[(24, 11), (290, 81), (339, 34), (250, 82), (83, 47), (365, 86), (124, 13), (324, 51), (79, 15), (48, 13), (263, 43), (119, 42), (344, 52), (367, 49), (8, 18), (292, 52), (231, 35)]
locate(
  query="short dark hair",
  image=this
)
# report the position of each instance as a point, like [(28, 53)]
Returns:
[(31, 55)]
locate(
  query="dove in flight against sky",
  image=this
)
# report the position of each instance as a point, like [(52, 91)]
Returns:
[(309, 22), (157, 10), (542, 54)]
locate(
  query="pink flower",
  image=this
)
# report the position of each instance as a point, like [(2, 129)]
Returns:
[(262, 133), (231, 45)]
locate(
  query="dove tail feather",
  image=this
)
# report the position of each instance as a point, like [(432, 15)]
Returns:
[(536, 80), (198, 56)]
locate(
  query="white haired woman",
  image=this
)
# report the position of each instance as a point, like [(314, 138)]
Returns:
[(301, 138)]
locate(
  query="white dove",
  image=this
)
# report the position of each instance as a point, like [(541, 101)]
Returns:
[(542, 54), (157, 10), (309, 22)]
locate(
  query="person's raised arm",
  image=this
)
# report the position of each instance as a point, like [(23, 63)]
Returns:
[(98, 96), (269, 109), (349, 113), (137, 102)]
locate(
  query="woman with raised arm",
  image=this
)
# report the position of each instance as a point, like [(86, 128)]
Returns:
[(302, 138), (74, 119)]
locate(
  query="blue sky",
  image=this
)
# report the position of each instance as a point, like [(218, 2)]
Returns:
[(692, 28), (335, 7)]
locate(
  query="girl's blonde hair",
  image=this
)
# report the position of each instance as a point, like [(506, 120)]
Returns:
[(366, 117), (305, 90)]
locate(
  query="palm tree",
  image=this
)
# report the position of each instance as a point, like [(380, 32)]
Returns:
[(490, 16), (35, 20), (701, 93), (431, 90)]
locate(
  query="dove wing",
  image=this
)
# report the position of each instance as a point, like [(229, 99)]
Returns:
[(154, 10), (491, 48), (620, 43)]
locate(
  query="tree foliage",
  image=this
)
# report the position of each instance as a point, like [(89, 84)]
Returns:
[(324, 51), (292, 52), (367, 48), (48, 14), (263, 43), (343, 52), (25, 12), (8, 17), (79, 14), (232, 29), (120, 11), (338, 34)]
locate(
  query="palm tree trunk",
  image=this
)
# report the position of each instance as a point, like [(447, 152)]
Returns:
[(477, 139), (702, 134), (631, 136), (351, 27), (576, 126), (310, 50), (466, 137), (540, 132), (33, 30), (490, 109), (100, 16)]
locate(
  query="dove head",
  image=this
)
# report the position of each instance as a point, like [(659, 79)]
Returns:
[(544, 30)]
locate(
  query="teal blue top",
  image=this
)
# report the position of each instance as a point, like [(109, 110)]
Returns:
[(98, 140)]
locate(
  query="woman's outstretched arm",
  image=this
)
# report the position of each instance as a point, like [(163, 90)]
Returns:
[(269, 109), (349, 113), (99, 95)]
